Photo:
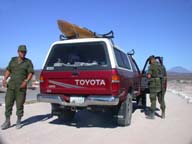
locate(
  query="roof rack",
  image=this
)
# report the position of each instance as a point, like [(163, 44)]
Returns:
[(64, 37), (108, 35)]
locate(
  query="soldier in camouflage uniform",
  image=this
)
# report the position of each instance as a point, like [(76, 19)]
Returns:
[(20, 71), (154, 84)]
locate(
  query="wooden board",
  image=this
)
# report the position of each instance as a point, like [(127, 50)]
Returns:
[(74, 31)]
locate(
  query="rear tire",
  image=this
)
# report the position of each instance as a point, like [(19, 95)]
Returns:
[(125, 111)]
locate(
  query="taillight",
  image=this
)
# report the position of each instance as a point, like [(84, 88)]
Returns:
[(41, 79), (115, 82), (115, 78)]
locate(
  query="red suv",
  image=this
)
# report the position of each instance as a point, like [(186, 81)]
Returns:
[(89, 73)]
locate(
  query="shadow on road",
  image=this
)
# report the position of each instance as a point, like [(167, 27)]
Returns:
[(146, 110), (85, 119), (35, 119), (142, 109)]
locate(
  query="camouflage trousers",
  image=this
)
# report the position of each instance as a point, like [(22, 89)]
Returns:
[(12, 95), (153, 98)]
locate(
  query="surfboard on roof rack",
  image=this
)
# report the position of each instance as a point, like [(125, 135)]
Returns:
[(71, 31), (74, 31)]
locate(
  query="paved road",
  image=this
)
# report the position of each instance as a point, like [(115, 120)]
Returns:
[(97, 128)]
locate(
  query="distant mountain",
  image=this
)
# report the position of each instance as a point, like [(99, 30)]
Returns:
[(179, 69)]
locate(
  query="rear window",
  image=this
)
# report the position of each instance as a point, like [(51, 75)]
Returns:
[(86, 56)]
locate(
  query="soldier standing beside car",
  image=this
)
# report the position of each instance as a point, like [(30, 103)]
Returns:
[(20, 70), (154, 84)]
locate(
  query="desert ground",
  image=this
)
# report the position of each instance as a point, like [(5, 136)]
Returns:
[(182, 88), (93, 128)]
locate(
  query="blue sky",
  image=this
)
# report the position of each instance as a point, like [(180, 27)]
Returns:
[(159, 27)]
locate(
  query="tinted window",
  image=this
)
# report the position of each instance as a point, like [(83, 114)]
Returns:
[(78, 55), (119, 58), (125, 61), (122, 59)]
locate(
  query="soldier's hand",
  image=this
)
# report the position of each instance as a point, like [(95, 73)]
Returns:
[(24, 84), (148, 76)]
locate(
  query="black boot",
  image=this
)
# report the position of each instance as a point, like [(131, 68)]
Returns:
[(6, 124), (151, 115), (18, 123)]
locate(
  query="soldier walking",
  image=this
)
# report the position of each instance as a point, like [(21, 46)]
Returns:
[(20, 71), (155, 87)]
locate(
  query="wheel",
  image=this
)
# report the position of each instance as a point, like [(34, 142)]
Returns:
[(125, 111)]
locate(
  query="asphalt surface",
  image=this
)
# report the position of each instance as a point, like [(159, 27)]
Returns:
[(99, 128)]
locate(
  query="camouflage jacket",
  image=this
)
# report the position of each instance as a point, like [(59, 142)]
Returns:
[(19, 71), (156, 75)]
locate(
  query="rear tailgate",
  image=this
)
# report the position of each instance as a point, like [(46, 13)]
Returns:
[(80, 82)]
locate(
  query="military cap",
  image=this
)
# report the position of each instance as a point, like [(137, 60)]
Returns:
[(22, 48)]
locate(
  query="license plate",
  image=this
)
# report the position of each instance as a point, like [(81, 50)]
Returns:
[(77, 100)]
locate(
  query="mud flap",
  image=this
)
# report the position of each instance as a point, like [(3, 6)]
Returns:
[(125, 112)]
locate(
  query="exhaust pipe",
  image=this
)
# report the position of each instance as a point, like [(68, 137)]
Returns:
[(73, 108)]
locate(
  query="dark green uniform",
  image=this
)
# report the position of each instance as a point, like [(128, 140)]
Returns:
[(154, 84), (18, 73)]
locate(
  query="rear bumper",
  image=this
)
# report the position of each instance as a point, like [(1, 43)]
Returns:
[(90, 100)]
